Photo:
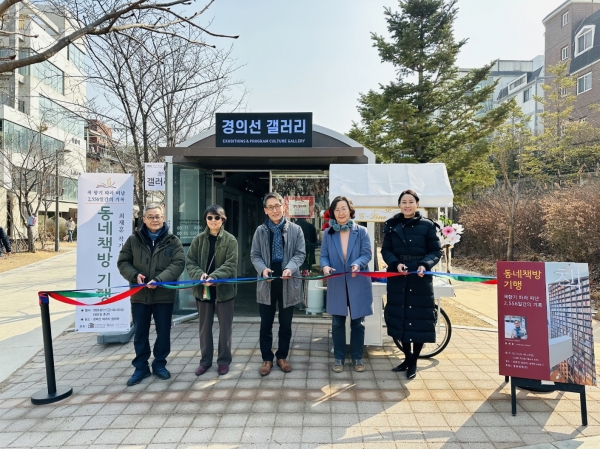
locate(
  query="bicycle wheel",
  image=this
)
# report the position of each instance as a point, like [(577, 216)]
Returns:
[(442, 337)]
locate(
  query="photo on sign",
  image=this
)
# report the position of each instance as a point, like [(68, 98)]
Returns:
[(515, 327), (571, 338)]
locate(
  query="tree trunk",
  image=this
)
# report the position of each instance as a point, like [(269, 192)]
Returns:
[(30, 242), (511, 240)]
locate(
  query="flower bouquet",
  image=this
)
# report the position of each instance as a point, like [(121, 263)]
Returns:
[(449, 234)]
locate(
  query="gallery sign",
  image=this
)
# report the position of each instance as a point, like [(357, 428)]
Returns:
[(105, 209), (154, 176), (264, 129), (545, 322)]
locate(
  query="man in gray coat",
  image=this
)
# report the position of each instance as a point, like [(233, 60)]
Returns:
[(277, 251)]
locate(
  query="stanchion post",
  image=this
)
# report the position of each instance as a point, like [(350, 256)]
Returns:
[(52, 394)]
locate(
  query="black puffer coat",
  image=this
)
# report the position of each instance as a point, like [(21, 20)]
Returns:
[(409, 313)]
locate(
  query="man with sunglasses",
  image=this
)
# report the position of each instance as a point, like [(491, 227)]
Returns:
[(148, 256), (278, 251)]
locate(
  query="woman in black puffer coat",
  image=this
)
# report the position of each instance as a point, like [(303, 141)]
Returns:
[(410, 243)]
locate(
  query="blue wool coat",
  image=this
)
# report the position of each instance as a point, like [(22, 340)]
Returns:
[(359, 291)]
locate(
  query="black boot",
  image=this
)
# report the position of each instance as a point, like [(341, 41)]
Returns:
[(411, 371), (404, 365)]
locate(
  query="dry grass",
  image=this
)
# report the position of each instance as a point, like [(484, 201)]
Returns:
[(459, 317), (486, 267), (18, 260)]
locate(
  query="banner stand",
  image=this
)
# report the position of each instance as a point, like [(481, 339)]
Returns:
[(52, 394), (116, 337), (519, 382)]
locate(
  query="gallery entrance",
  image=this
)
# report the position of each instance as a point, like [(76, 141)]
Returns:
[(241, 193), (233, 166)]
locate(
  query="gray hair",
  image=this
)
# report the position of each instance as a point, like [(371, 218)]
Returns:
[(270, 195), (153, 206)]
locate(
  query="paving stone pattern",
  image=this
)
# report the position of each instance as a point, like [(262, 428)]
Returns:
[(458, 400)]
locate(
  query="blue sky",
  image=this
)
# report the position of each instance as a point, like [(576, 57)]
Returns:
[(317, 55)]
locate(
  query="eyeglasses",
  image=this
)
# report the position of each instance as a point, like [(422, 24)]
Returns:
[(275, 207), (213, 217), (154, 217)]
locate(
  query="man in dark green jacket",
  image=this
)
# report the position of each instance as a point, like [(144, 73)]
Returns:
[(148, 256)]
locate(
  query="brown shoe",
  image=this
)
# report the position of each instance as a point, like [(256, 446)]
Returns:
[(359, 366), (265, 369), (284, 365)]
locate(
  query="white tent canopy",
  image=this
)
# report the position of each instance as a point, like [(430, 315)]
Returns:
[(379, 185)]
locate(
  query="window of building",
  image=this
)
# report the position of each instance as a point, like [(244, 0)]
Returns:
[(564, 91), (564, 53), (526, 95), (76, 56), (69, 189), (565, 18), (45, 71), (584, 40), (512, 86), (584, 83), (24, 140), (53, 114)]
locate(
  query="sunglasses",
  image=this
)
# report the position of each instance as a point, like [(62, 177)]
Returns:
[(213, 217)]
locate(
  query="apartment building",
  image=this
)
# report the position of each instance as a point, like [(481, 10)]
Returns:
[(42, 103), (571, 36), (101, 147), (520, 80)]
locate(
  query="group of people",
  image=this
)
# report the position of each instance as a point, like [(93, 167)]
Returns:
[(278, 252)]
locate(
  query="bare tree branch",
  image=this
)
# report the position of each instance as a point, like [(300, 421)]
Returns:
[(106, 21), (160, 91), (6, 4)]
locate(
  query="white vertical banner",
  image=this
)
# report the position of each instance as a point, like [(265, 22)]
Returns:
[(105, 209), (154, 176)]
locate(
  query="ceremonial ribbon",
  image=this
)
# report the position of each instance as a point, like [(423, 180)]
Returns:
[(67, 296)]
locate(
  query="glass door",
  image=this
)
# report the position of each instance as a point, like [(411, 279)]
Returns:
[(192, 191)]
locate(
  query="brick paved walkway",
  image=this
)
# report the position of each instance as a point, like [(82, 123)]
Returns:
[(457, 401)]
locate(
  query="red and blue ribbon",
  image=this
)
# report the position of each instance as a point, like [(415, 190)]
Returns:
[(70, 296)]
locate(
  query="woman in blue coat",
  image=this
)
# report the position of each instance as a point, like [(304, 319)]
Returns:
[(346, 248)]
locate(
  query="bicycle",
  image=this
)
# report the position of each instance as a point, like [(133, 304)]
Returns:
[(443, 330)]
